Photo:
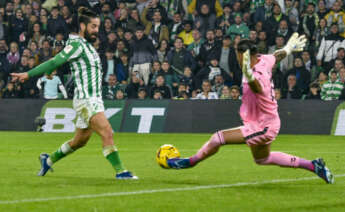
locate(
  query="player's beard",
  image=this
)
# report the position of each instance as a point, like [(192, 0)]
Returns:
[(89, 38)]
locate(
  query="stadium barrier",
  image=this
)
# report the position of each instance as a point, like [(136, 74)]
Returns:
[(175, 116)]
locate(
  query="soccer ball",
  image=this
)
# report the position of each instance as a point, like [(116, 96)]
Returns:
[(165, 152)]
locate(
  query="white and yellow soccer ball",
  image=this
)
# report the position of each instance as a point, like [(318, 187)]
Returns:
[(165, 152)]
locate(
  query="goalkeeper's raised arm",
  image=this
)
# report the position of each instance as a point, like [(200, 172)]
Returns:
[(296, 43), (71, 51)]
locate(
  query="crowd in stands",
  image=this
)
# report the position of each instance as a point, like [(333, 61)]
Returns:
[(176, 49)]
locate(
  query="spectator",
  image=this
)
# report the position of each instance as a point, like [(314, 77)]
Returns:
[(341, 75), (23, 66), (186, 33), (122, 69), (175, 26), (13, 55), (142, 94), (109, 65), (271, 24), (155, 30), (106, 12), (264, 12), (105, 29), (179, 57), (322, 10), (331, 90), (134, 20), (155, 70), (225, 93), (51, 85), (210, 72), (4, 64), (238, 28), (196, 7), (176, 6), (133, 87), (120, 49), (195, 47), (226, 55), (226, 19), (187, 78), (170, 76), (314, 91), (162, 50), (3, 29), (18, 25), (120, 95), (253, 36), (321, 32), (310, 22), (45, 52), (291, 91), (337, 16), (157, 95), (292, 13), (235, 93), (204, 19), (36, 35), (340, 55), (160, 86), (218, 84), (262, 43), (328, 48), (143, 54), (56, 23), (182, 92), (301, 74), (110, 91), (209, 47), (206, 91), (284, 30), (152, 7), (10, 91)]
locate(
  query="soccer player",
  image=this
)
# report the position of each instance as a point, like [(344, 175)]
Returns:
[(86, 67), (259, 113)]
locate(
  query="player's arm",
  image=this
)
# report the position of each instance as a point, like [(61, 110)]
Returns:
[(295, 44), (49, 66), (253, 83)]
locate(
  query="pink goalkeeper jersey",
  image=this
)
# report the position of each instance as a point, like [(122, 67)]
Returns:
[(260, 108)]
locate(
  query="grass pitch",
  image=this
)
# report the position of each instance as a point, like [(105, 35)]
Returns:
[(228, 181)]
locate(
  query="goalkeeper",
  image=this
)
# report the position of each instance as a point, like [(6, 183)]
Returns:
[(259, 113)]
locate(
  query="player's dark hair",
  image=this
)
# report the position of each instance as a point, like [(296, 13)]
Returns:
[(246, 44), (85, 15)]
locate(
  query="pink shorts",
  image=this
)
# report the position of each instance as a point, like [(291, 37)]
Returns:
[(255, 134)]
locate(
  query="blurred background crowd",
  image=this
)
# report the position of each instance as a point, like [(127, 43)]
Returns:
[(176, 49)]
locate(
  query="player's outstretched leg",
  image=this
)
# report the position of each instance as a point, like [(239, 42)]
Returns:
[(263, 156), (101, 125), (231, 136), (80, 139)]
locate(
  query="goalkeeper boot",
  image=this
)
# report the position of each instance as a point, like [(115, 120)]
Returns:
[(44, 165), (322, 171), (126, 175), (179, 163)]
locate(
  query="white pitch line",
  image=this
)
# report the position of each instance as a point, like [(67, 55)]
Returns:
[(113, 194)]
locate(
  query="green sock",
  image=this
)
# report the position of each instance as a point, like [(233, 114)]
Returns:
[(115, 161), (64, 150)]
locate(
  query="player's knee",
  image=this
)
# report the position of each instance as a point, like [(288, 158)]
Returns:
[(108, 134), (261, 161), (217, 138)]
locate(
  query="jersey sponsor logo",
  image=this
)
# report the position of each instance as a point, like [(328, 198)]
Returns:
[(68, 49)]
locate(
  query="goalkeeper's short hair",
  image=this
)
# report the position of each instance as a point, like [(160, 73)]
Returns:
[(246, 44)]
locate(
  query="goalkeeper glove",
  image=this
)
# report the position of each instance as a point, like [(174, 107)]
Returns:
[(247, 71), (295, 44)]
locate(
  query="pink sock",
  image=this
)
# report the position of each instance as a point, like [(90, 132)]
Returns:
[(209, 148), (286, 160)]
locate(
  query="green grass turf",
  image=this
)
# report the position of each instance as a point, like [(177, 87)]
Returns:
[(87, 172)]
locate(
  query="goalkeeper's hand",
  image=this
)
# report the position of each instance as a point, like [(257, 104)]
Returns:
[(296, 43), (247, 71)]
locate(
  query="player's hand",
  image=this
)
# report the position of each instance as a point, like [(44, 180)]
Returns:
[(21, 77), (296, 43)]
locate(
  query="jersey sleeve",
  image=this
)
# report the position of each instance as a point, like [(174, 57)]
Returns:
[(72, 51)]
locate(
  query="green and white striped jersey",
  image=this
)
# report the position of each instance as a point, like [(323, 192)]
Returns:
[(86, 67)]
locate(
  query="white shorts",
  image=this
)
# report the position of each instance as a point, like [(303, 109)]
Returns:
[(86, 108)]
